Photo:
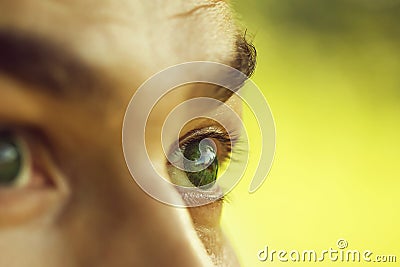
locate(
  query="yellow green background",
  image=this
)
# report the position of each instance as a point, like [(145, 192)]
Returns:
[(330, 71)]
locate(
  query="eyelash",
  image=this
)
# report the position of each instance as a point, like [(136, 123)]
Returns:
[(227, 140)]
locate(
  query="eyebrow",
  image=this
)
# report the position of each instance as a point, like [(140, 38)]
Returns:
[(35, 60), (245, 61), (246, 56)]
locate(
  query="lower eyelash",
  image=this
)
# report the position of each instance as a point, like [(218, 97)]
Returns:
[(200, 197)]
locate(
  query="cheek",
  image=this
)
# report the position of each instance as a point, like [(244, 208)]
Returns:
[(206, 220), (208, 215)]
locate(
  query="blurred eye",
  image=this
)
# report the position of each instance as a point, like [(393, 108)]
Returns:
[(203, 155), (31, 185), (13, 157)]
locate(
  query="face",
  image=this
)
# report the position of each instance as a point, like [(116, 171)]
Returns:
[(67, 74)]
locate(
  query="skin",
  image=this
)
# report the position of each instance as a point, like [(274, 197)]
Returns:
[(81, 206)]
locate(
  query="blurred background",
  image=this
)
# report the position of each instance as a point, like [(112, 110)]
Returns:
[(330, 71)]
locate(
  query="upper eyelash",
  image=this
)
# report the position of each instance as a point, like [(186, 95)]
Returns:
[(198, 137), (227, 140), (209, 132)]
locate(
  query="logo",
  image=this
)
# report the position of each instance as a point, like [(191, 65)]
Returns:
[(173, 78)]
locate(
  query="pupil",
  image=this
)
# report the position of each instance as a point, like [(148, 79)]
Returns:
[(10, 160), (209, 174)]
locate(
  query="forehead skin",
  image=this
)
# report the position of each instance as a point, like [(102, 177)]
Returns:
[(111, 34)]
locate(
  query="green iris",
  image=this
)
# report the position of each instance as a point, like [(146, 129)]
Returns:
[(10, 159), (202, 154)]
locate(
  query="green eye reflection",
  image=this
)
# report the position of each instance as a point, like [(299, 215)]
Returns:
[(10, 159), (203, 154)]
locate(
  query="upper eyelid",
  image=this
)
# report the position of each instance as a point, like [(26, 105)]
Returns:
[(225, 139), (202, 133)]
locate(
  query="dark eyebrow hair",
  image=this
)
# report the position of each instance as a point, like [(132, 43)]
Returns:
[(246, 56), (35, 60), (244, 60)]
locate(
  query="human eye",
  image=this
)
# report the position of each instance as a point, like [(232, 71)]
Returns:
[(205, 152), (202, 154), (28, 187), (15, 160)]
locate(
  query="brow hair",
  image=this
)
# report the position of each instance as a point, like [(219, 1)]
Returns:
[(35, 60), (246, 56), (245, 60)]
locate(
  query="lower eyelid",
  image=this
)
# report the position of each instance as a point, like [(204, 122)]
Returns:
[(22, 205), (195, 197)]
